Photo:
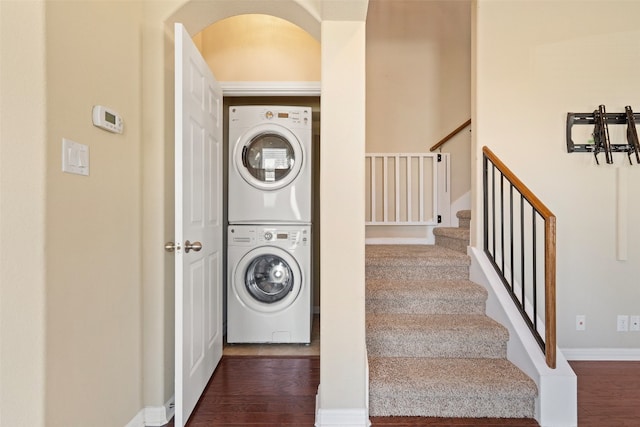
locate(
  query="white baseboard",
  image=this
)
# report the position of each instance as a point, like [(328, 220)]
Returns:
[(595, 354), (153, 416), (356, 417), (353, 417), (398, 241)]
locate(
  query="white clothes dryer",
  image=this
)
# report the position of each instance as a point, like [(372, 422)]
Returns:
[(269, 295), (270, 176)]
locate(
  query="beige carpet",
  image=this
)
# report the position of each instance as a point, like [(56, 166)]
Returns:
[(432, 350)]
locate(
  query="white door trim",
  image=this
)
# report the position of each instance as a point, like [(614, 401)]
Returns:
[(270, 88)]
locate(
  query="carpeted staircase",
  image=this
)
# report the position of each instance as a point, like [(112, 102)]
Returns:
[(432, 350)]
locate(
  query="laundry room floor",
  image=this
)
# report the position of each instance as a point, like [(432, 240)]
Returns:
[(312, 349)]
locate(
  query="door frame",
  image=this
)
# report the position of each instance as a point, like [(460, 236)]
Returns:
[(269, 88)]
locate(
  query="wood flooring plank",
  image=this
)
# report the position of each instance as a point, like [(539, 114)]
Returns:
[(281, 391)]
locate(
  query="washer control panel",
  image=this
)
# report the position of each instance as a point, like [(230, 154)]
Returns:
[(283, 236)]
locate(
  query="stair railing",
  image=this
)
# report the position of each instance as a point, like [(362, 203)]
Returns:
[(453, 133), (514, 242)]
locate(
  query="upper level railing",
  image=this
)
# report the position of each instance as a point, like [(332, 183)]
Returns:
[(522, 252), (406, 188), (449, 136)]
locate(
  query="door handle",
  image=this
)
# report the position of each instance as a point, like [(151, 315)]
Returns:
[(196, 246), (170, 247), (244, 157)]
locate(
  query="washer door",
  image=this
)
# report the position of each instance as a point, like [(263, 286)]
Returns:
[(267, 279), (268, 156)]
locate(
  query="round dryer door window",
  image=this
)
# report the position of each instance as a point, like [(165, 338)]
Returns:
[(269, 156), (267, 279)]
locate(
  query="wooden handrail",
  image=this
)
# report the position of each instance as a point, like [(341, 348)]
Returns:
[(549, 255), (528, 194), (451, 135)]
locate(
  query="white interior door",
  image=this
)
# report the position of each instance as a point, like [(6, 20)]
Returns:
[(198, 198)]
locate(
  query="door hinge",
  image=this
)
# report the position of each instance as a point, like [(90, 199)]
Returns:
[(439, 219), (439, 157)]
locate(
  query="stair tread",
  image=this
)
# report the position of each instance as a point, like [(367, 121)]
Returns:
[(460, 377), (436, 323), (413, 255), (425, 289), (425, 296), (452, 232), (436, 387), (432, 349), (464, 214)]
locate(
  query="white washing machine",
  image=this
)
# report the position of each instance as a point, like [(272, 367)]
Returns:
[(270, 172), (269, 295)]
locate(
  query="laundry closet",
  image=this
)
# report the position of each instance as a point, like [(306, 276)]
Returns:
[(270, 173)]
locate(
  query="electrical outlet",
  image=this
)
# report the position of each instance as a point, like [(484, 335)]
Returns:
[(581, 322), (635, 323), (623, 323)]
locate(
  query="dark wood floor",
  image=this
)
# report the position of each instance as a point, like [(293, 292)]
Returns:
[(608, 393), (281, 391)]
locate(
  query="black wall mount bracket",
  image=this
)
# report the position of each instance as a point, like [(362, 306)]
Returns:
[(601, 120)]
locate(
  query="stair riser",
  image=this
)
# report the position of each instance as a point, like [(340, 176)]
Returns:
[(416, 306), (464, 223), (417, 273), (453, 244), (437, 365), (432, 405), (436, 345)]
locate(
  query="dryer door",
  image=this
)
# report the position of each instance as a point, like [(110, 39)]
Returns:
[(267, 279), (268, 156)]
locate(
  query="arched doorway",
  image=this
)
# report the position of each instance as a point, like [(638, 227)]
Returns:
[(343, 354)]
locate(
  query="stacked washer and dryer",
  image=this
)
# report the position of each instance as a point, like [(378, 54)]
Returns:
[(269, 286)]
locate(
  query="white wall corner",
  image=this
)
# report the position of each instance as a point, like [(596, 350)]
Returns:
[(352, 417), (557, 401), (355, 417), (462, 203), (153, 416)]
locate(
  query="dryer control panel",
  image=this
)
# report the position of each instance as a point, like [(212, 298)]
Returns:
[(287, 116)]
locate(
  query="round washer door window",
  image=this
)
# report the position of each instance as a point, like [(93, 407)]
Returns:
[(268, 156), (267, 279)]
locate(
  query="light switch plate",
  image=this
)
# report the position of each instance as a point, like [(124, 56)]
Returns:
[(75, 157)]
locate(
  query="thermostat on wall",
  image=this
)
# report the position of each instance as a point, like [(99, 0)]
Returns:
[(107, 119)]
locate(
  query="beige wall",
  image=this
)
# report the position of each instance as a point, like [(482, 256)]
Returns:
[(71, 311), (528, 77), (259, 48), (22, 213), (108, 282), (93, 223), (419, 84)]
